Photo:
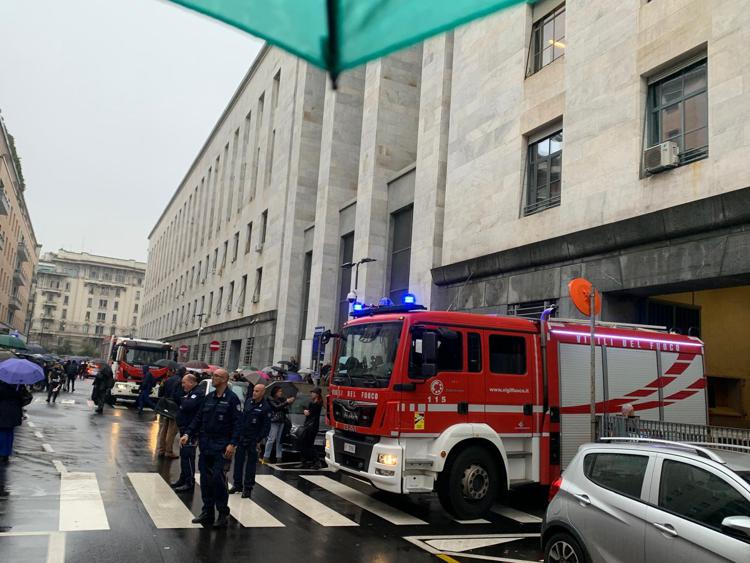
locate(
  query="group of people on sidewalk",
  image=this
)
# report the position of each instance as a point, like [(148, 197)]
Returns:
[(223, 430)]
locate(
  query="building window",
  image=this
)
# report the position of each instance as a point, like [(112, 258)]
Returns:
[(306, 275), (236, 246), (230, 296), (400, 253), (99, 330), (678, 111), (88, 302), (547, 40), (114, 318), (135, 308), (249, 237), (67, 286), (725, 395), (137, 294), (117, 304), (102, 303), (219, 300), (243, 290), (64, 314), (117, 292), (263, 226), (269, 158), (88, 316), (531, 309), (258, 282), (101, 317), (222, 352), (216, 260), (224, 256), (247, 359), (210, 303), (104, 291), (345, 282), (544, 174), (203, 352), (65, 300), (91, 290)]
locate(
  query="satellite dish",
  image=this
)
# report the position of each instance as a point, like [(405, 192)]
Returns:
[(580, 292)]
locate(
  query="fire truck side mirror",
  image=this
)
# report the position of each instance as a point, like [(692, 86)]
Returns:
[(429, 354)]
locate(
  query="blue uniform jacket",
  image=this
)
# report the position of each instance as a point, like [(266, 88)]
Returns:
[(256, 420), (218, 422), (189, 405)]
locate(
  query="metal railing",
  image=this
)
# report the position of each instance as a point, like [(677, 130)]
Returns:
[(635, 427)]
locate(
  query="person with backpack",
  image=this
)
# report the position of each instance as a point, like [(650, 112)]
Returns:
[(279, 409), (71, 371)]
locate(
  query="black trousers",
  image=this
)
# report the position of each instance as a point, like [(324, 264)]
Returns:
[(187, 464), (52, 394), (213, 468), (307, 444), (70, 382), (245, 465)]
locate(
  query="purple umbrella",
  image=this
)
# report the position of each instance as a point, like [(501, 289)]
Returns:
[(292, 376), (20, 372)]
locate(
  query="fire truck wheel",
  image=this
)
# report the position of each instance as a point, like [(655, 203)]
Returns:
[(470, 484)]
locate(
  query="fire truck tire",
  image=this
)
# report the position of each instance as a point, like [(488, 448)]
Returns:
[(469, 484)]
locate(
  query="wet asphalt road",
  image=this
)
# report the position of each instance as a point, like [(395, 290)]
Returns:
[(93, 511)]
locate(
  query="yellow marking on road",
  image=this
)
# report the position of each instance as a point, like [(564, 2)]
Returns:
[(447, 558)]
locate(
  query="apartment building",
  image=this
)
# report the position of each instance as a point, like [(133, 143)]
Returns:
[(483, 170), (18, 246), (82, 299)]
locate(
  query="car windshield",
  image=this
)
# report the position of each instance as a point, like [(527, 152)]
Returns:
[(366, 355), (144, 356)]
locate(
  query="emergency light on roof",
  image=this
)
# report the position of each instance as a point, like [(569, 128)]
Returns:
[(384, 307), (409, 299)]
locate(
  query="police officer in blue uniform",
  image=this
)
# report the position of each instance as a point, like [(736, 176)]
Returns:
[(217, 425), (256, 423), (190, 401)]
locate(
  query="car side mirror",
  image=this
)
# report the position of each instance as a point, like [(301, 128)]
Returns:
[(738, 523), (429, 354)]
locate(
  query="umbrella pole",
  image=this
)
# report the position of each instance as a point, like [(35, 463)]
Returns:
[(333, 41)]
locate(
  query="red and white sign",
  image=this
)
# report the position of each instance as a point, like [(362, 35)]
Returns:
[(214, 346), (183, 349)]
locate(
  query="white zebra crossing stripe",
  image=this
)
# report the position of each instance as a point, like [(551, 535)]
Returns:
[(248, 513), (81, 506), (384, 511), (162, 504), (477, 521), (517, 515), (305, 504)]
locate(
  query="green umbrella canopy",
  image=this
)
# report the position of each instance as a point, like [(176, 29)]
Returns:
[(340, 34), (8, 341)]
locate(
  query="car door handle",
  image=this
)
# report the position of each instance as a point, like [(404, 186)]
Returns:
[(666, 528), (583, 499)]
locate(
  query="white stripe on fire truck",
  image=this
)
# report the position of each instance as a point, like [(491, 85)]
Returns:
[(453, 407)]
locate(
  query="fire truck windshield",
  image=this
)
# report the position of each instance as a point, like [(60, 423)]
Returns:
[(367, 354), (144, 356)]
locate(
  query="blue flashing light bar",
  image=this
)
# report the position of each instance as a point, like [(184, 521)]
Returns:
[(409, 299), (357, 307)]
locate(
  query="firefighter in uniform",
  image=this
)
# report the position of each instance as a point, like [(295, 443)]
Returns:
[(190, 401), (256, 424), (217, 425)]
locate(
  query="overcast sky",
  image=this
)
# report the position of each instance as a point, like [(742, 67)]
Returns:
[(109, 102)]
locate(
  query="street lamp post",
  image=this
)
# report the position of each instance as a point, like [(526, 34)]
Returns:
[(356, 265)]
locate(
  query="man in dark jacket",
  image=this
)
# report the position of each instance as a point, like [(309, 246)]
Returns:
[(169, 389), (190, 402), (217, 425), (12, 400), (103, 382), (256, 422), (54, 383), (144, 395), (71, 371)]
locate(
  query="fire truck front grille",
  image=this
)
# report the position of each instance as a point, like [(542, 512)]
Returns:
[(353, 413), (353, 452)]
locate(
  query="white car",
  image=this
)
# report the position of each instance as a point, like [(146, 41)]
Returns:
[(638, 500)]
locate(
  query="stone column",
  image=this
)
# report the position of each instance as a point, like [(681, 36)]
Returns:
[(389, 144), (432, 161)]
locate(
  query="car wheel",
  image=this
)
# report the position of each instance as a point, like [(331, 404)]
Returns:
[(563, 548), (469, 485)]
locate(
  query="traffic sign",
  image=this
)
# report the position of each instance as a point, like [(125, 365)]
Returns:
[(183, 349), (214, 346)]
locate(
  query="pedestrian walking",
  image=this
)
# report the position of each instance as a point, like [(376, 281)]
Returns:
[(256, 422), (103, 382), (12, 400), (310, 429), (190, 402), (54, 383), (169, 389), (71, 372), (82, 369), (217, 426), (144, 395), (279, 410)]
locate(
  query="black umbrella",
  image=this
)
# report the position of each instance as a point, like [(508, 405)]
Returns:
[(165, 363), (290, 389), (196, 364)]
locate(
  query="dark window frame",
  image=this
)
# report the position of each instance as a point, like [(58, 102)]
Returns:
[(537, 49), (534, 161), (655, 107), (398, 222), (524, 367), (587, 472)]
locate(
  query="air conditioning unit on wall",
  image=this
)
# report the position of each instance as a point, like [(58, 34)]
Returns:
[(661, 157)]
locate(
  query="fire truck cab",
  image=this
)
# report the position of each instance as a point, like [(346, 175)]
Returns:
[(470, 405), (128, 357)]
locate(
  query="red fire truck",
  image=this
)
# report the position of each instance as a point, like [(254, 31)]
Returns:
[(470, 405), (128, 356)]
